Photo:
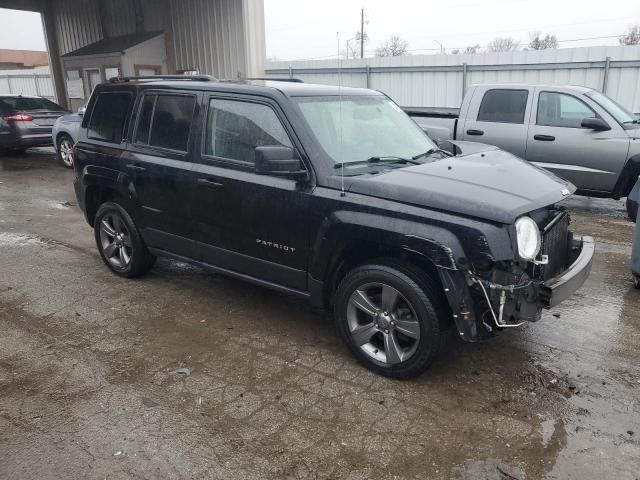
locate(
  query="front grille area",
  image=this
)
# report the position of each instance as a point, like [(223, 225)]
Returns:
[(555, 244)]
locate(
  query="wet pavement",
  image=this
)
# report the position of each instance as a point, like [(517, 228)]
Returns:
[(186, 374)]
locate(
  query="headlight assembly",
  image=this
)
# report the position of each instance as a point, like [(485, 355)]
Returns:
[(529, 240)]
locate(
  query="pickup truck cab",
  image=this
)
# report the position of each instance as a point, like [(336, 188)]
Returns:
[(330, 194), (575, 132)]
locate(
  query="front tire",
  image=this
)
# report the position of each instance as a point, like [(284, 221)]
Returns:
[(119, 242), (65, 150), (390, 319), (632, 209)]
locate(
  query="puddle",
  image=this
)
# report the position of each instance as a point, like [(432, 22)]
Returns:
[(547, 427)]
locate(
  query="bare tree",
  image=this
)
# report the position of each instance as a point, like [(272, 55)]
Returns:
[(469, 49), (632, 37), (503, 44), (394, 47), (538, 42), (352, 50)]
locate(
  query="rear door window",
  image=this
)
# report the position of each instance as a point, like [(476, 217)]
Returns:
[(165, 121), (109, 116), (503, 106)]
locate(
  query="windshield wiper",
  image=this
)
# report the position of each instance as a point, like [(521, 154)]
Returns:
[(430, 152), (636, 120), (381, 160)]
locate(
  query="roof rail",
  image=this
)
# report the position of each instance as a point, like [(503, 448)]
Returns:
[(193, 78), (276, 79)]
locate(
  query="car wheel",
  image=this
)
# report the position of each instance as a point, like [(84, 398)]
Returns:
[(389, 318), (65, 150), (632, 209), (119, 243)]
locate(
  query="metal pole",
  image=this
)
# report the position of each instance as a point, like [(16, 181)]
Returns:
[(55, 64), (35, 82), (464, 80), (362, 33), (368, 74), (605, 78)]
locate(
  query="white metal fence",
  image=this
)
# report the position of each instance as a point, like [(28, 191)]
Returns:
[(27, 82), (440, 80)]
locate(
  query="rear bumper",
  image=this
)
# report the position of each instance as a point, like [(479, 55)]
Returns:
[(17, 140), (559, 288)]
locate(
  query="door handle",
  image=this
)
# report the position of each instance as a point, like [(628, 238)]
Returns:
[(472, 131), (135, 168), (544, 138), (209, 183)]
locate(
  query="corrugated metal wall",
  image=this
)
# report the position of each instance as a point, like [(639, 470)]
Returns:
[(212, 36), (208, 36), (437, 80), (77, 24)]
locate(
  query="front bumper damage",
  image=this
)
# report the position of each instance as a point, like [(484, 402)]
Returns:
[(481, 307), (559, 288)]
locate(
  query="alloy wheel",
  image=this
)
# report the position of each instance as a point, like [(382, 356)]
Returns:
[(66, 152), (115, 240), (383, 323)]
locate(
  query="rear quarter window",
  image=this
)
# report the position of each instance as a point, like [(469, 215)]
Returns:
[(109, 116), (503, 106)]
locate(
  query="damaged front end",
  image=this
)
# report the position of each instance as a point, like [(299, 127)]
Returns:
[(501, 294)]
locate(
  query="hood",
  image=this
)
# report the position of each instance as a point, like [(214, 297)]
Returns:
[(492, 185)]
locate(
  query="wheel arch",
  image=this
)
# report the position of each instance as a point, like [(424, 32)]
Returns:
[(342, 246), (58, 138), (101, 185), (628, 177)]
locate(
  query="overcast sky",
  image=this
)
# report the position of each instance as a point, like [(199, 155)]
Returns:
[(302, 29)]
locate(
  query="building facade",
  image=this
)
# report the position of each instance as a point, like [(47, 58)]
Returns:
[(224, 38)]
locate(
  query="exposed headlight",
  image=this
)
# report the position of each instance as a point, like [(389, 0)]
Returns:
[(528, 235)]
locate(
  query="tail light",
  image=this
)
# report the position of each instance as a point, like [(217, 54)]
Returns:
[(17, 117)]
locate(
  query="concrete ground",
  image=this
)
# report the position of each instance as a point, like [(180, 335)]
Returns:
[(91, 384)]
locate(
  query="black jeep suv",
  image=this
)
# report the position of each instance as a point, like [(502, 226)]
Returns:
[(331, 194)]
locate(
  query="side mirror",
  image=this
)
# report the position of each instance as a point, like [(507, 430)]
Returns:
[(279, 161), (596, 124), (81, 110)]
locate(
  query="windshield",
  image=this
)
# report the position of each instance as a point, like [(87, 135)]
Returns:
[(618, 112), (354, 129)]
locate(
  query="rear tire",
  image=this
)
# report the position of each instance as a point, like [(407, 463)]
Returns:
[(632, 209), (119, 242), (65, 150), (390, 318)]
